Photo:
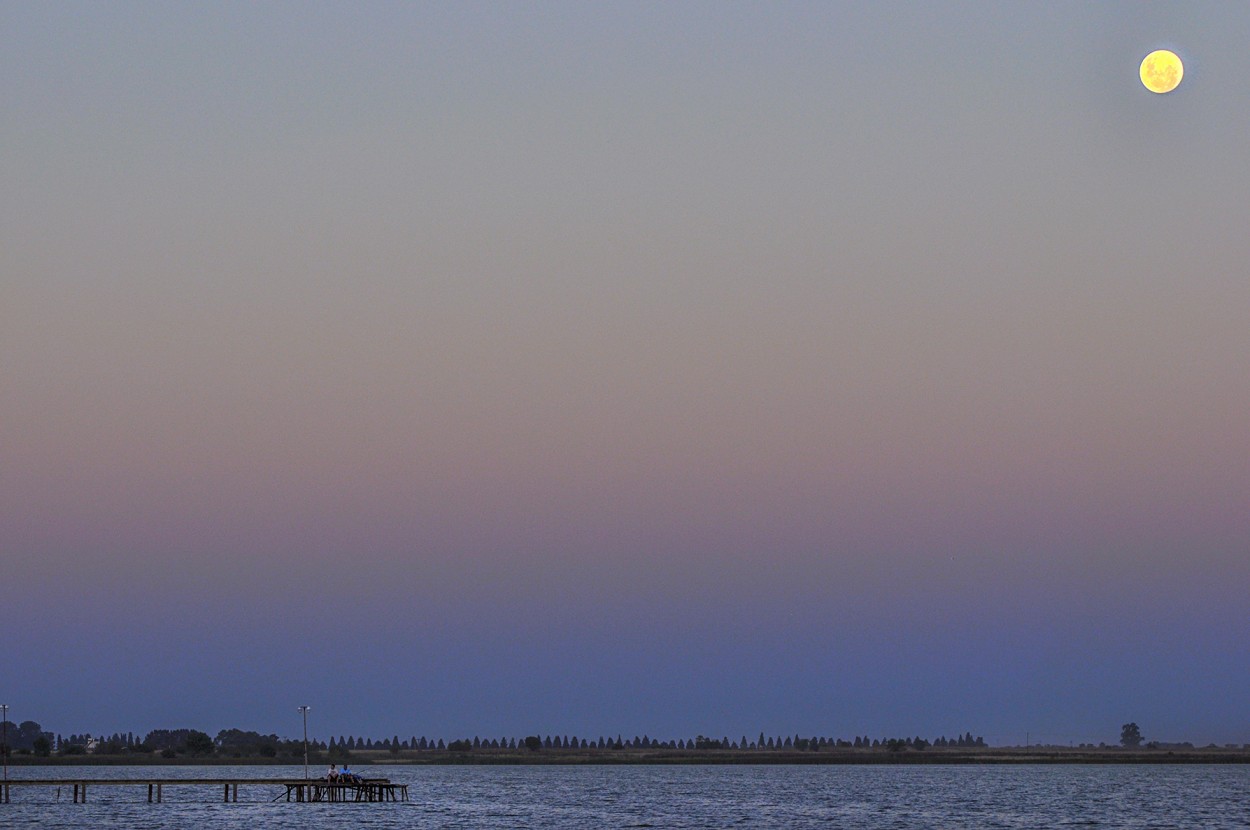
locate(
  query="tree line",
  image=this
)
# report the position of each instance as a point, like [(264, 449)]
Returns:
[(765, 743), (29, 738)]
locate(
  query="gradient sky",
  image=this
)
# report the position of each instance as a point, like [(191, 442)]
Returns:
[(673, 368)]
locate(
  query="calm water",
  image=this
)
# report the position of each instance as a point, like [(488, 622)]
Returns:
[(684, 796)]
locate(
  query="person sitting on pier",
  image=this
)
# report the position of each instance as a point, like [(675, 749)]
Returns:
[(333, 774), (347, 775)]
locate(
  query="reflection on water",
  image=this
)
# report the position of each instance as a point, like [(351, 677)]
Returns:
[(671, 796)]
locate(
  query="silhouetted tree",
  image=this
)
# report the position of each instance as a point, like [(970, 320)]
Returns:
[(198, 743), (24, 735), (1130, 736)]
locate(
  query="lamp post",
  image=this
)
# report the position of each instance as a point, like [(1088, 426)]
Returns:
[(304, 710), (4, 743)]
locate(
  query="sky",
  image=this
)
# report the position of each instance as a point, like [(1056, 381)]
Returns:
[(646, 368)]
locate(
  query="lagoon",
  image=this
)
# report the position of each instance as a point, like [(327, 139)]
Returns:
[(930, 796)]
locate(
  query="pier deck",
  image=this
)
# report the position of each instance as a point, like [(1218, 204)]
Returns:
[(296, 789)]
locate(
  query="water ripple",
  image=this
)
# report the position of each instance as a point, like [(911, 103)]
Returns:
[(856, 798)]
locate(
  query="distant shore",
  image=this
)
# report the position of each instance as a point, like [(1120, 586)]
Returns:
[(568, 757)]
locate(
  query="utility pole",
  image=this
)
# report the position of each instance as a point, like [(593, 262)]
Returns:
[(304, 710), (4, 743), (4, 750)]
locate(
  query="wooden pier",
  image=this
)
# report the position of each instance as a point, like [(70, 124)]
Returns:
[(296, 789), (367, 789)]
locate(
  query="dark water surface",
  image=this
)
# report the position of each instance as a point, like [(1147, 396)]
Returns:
[(674, 796)]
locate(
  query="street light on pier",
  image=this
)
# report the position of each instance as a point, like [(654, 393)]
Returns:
[(4, 743), (304, 710)]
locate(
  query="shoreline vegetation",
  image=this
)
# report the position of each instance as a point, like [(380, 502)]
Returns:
[(627, 757), (29, 745)]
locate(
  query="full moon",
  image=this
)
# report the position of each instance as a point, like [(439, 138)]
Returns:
[(1161, 71)]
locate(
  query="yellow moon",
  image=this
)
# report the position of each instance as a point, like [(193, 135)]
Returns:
[(1161, 71)]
